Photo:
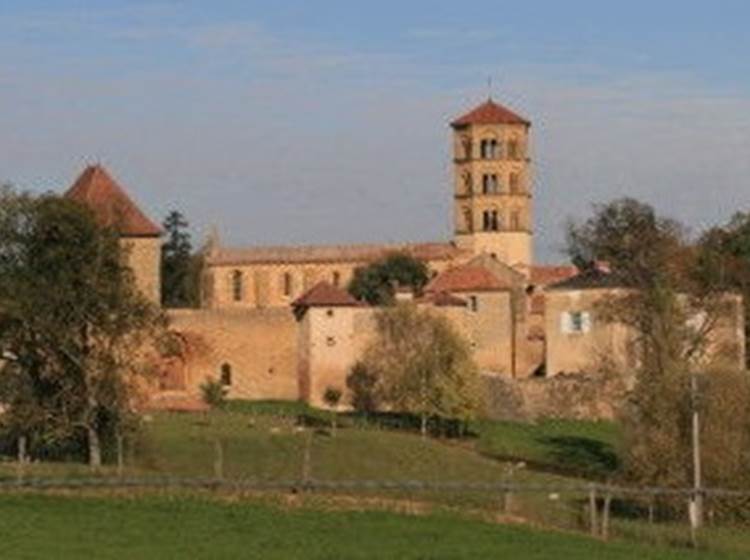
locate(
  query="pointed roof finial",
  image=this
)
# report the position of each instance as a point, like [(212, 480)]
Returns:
[(489, 88)]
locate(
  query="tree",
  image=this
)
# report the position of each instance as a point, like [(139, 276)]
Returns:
[(670, 300), (332, 397), (72, 323), (180, 268), (726, 254), (423, 366), (363, 386), (376, 282)]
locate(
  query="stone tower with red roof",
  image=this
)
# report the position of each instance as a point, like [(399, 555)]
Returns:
[(492, 184), (112, 207)]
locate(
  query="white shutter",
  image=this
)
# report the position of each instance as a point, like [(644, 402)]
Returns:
[(565, 322), (585, 321)]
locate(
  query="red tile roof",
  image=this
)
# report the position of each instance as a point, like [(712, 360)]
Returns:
[(549, 274), (442, 299), (364, 253), (490, 112), (467, 278), (111, 205), (324, 294)]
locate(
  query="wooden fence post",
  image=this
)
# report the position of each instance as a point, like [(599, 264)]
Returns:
[(218, 460), (593, 522), (605, 514), (22, 458), (120, 455)]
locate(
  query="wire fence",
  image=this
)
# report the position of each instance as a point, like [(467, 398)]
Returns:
[(344, 461)]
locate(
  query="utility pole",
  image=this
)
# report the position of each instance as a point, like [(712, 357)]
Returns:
[(696, 513)]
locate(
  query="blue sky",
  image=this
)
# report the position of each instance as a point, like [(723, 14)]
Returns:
[(326, 121)]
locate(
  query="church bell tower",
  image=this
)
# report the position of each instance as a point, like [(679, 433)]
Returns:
[(492, 184)]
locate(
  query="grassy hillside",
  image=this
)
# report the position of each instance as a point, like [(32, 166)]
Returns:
[(172, 527)]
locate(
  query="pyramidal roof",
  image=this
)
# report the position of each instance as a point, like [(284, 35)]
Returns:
[(490, 112), (111, 205), (324, 294)]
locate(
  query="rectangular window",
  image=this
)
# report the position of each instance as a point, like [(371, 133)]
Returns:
[(572, 322), (287, 284), (473, 303)]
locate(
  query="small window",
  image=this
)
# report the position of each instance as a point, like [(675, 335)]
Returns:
[(336, 277), (329, 312), (287, 284), (237, 287), (575, 322), (331, 341), (226, 374), (473, 303)]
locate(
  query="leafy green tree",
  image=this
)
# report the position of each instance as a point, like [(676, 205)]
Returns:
[(180, 268), (726, 258), (666, 282), (376, 282), (423, 366), (73, 326), (363, 386)]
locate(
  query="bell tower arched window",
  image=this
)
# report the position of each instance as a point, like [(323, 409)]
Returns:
[(515, 183), (490, 184), (237, 285), (490, 220), (468, 220)]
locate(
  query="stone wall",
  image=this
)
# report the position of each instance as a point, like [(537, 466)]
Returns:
[(570, 396), (258, 345), (144, 259)]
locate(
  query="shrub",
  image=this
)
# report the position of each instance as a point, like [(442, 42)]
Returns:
[(214, 393), (363, 386)]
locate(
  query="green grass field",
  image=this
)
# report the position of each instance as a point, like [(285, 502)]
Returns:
[(191, 527), (264, 441)]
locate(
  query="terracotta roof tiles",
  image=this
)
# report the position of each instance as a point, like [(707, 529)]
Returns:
[(110, 203), (442, 299), (490, 112), (324, 294), (467, 278), (363, 253)]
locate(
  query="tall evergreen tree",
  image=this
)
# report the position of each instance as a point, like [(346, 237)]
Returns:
[(180, 268)]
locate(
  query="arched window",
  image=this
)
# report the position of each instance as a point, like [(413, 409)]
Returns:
[(226, 374), (468, 187), (237, 287), (287, 281), (515, 186), (336, 278), (515, 220), (490, 183), (514, 151), (490, 221), (468, 220), (466, 146), (493, 149)]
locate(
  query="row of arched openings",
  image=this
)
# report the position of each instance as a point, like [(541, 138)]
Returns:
[(287, 283)]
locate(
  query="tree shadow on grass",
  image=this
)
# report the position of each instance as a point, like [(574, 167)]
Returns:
[(583, 456)]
